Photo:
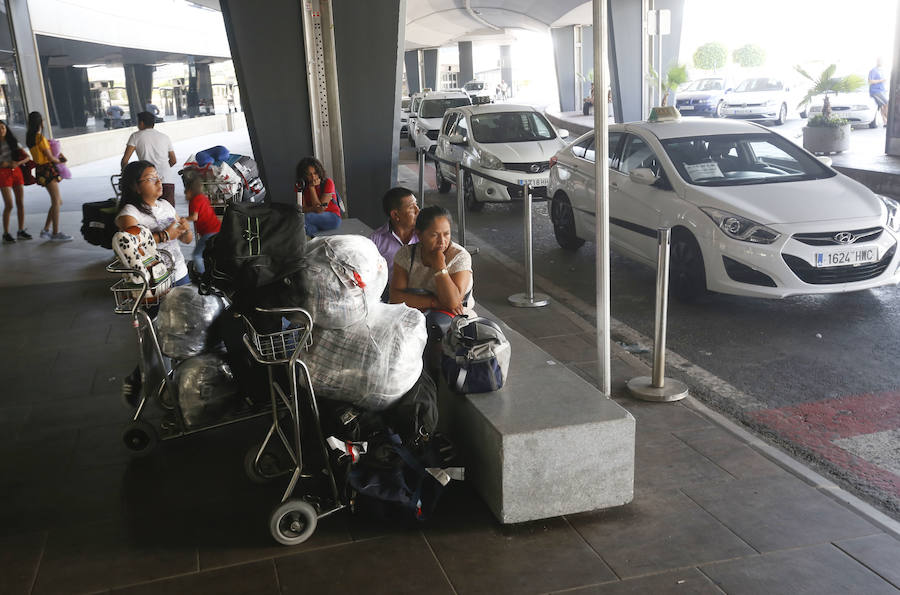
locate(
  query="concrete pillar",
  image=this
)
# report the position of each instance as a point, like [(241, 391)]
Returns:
[(369, 77), (193, 96), (29, 75), (466, 65), (564, 57), (430, 58), (275, 99), (625, 57), (69, 92), (139, 86), (204, 88), (411, 59), (892, 138), (506, 66)]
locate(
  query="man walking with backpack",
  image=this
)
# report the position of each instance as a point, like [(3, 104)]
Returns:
[(153, 146)]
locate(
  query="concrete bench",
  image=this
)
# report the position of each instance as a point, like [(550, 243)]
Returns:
[(547, 444)]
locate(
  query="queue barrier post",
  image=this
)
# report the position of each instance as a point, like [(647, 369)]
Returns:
[(528, 299), (657, 387), (421, 157)]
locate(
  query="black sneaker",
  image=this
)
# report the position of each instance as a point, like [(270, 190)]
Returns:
[(23, 234), (8, 239)]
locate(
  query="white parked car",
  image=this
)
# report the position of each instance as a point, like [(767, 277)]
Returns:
[(760, 99), (513, 143), (431, 112), (478, 92), (751, 213), (858, 108), (404, 117), (414, 102)]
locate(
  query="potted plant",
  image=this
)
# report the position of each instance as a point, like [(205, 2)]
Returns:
[(675, 76), (827, 133)]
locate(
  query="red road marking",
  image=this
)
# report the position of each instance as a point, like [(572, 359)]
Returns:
[(816, 425)]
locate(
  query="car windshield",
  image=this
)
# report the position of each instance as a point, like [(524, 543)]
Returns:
[(474, 86), (511, 127), (758, 85), (435, 108), (704, 85), (741, 159)]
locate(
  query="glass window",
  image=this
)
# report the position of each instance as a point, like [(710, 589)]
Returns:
[(435, 108), (461, 128), (579, 148), (637, 154), (704, 85), (449, 121), (511, 127), (760, 84), (614, 138), (737, 159)]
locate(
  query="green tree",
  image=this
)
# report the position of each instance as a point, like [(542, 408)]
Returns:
[(710, 56), (827, 84), (675, 76), (749, 55)]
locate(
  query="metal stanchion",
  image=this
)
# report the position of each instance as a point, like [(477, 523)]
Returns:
[(461, 210), (421, 155), (529, 299), (658, 387)]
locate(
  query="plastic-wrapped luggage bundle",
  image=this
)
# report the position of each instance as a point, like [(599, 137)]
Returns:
[(372, 363), (207, 389), (345, 276), (184, 320)]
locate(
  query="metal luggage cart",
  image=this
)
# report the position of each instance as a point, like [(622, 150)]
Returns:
[(157, 371), (294, 519)]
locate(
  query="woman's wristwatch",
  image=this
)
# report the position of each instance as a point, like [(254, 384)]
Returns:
[(443, 271)]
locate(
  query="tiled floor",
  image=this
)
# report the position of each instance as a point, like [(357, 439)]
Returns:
[(79, 515)]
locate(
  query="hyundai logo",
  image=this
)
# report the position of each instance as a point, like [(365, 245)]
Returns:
[(844, 237), (535, 168)]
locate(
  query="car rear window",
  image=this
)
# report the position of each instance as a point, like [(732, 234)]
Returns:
[(435, 108)]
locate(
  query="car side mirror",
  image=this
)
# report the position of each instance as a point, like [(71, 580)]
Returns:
[(825, 159), (456, 139), (563, 133), (642, 175)]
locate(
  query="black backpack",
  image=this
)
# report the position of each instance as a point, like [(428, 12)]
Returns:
[(258, 245)]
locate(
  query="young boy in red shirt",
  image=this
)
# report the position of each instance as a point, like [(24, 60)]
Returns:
[(206, 224)]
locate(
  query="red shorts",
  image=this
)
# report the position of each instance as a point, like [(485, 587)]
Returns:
[(11, 176)]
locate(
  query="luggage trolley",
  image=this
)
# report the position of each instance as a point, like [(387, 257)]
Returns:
[(140, 436), (294, 519)]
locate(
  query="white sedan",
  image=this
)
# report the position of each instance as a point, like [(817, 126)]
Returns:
[(857, 108), (751, 213)]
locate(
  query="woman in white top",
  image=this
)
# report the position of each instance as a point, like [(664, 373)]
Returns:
[(436, 273), (140, 205)]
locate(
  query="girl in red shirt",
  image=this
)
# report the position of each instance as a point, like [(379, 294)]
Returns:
[(206, 224), (317, 196)]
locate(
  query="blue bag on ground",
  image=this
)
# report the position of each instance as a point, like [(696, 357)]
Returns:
[(475, 355)]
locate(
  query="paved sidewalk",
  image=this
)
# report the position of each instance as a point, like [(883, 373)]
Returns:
[(714, 510)]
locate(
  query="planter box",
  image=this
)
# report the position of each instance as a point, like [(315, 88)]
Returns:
[(820, 139)]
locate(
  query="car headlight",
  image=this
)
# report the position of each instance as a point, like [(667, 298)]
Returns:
[(893, 212), (741, 228), (771, 102), (488, 161)]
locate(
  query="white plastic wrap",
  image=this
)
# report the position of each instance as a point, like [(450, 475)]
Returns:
[(370, 364), (345, 276), (207, 389), (184, 320)]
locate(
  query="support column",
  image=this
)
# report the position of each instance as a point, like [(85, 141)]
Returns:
[(29, 74), (369, 76), (587, 62), (69, 96), (466, 65), (892, 138), (139, 86), (506, 66), (626, 31), (275, 97), (193, 97), (204, 89), (430, 58), (564, 57), (411, 59)]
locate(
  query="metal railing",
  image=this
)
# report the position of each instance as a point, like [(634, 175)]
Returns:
[(528, 298)]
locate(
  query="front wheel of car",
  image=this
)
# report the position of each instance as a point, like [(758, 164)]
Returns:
[(442, 184), (472, 203), (782, 115), (720, 110), (563, 218), (687, 275)]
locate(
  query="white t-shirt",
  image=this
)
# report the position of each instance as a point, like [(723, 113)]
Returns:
[(153, 146), (163, 216)]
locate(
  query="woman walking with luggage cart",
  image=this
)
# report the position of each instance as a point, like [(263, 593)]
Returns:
[(141, 189), (46, 175), (11, 183)]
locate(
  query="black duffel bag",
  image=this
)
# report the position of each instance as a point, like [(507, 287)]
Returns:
[(259, 244), (98, 222)]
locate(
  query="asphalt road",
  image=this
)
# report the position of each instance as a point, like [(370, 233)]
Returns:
[(815, 374)]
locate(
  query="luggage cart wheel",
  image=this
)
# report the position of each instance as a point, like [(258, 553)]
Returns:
[(292, 522), (265, 470), (140, 437)]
